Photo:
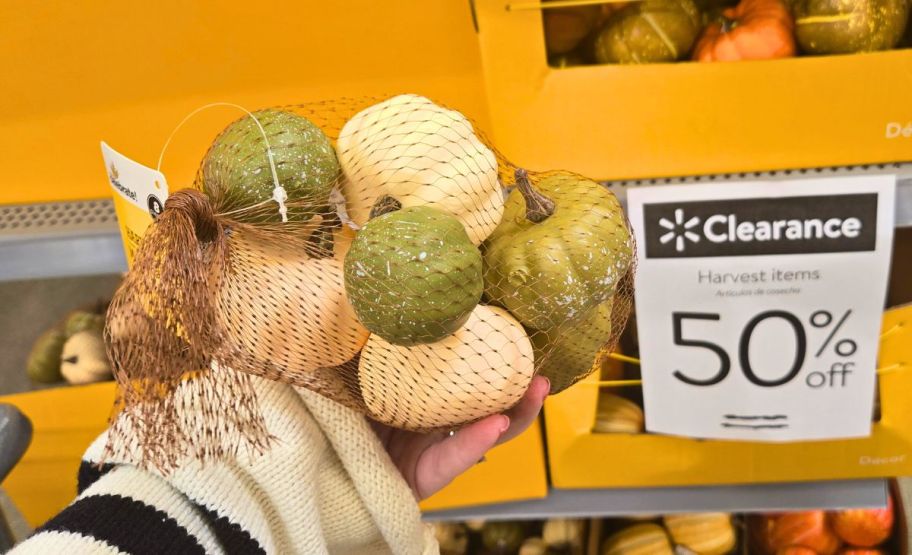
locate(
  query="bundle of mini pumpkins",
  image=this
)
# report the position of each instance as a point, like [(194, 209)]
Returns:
[(659, 31), (379, 253)]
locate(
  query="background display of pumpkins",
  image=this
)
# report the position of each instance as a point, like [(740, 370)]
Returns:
[(72, 350), (657, 31), (429, 286), (815, 532)]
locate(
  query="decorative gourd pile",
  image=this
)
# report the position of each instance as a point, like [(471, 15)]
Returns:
[(661, 31), (407, 281)]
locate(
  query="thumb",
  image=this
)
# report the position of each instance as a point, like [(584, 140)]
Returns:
[(445, 460)]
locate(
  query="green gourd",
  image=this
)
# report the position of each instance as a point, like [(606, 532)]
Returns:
[(566, 353), (80, 320), (43, 363), (849, 26), (650, 31), (559, 251), (236, 169), (502, 537), (413, 275)]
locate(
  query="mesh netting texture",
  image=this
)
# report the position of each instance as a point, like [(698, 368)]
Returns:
[(414, 274)]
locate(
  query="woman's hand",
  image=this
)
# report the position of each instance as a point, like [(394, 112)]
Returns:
[(428, 462)]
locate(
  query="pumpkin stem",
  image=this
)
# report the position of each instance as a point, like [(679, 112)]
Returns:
[(538, 206), (384, 205), (322, 238)]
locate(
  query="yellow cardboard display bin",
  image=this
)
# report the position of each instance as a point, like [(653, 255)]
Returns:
[(688, 118), (66, 420), (513, 471), (580, 459)]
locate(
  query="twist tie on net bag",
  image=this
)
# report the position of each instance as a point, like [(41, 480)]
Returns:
[(279, 195)]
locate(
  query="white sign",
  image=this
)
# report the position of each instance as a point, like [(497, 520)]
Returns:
[(139, 196), (142, 187), (759, 305)]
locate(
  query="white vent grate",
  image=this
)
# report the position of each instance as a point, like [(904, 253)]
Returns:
[(898, 168), (57, 218)]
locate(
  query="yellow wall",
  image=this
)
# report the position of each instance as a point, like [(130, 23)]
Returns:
[(74, 73)]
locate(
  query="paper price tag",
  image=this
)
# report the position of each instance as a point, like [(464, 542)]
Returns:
[(139, 196), (759, 305)]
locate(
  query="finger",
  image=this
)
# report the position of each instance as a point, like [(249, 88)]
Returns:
[(526, 411), (440, 463)]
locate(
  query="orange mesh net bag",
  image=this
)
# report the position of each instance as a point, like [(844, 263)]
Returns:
[(380, 253)]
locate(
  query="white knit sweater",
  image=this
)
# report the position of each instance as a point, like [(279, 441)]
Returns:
[(327, 486)]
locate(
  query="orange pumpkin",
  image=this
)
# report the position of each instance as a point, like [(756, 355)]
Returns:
[(752, 30), (776, 532)]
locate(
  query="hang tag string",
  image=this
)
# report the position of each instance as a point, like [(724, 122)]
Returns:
[(279, 195)]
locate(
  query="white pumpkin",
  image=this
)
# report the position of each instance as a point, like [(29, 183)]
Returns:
[(283, 307), (83, 359), (484, 368), (419, 153)]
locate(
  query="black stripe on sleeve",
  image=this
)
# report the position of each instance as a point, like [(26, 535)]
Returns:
[(233, 539), (129, 525), (89, 473)]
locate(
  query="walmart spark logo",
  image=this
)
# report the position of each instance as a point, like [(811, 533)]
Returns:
[(679, 230)]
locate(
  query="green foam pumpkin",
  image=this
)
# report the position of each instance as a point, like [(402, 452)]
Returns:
[(566, 353), (81, 320), (849, 26), (650, 31), (236, 168), (559, 251), (43, 363), (413, 275)]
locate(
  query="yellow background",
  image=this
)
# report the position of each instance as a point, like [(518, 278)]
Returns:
[(75, 73)]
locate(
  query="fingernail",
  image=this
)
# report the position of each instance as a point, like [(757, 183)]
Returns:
[(505, 425), (547, 389)]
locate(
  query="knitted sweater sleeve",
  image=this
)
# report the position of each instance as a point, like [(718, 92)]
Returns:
[(125, 510), (326, 486)]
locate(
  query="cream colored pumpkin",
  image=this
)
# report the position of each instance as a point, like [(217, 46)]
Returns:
[(280, 306), (616, 415), (482, 369), (421, 154), (703, 533), (83, 359), (564, 532)]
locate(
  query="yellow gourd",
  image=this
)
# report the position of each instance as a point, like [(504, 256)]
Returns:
[(702, 533), (420, 154), (563, 533), (616, 415), (281, 306), (640, 539), (533, 546), (481, 369)]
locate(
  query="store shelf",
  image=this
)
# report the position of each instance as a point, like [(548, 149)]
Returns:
[(741, 498), (81, 237), (59, 239)]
